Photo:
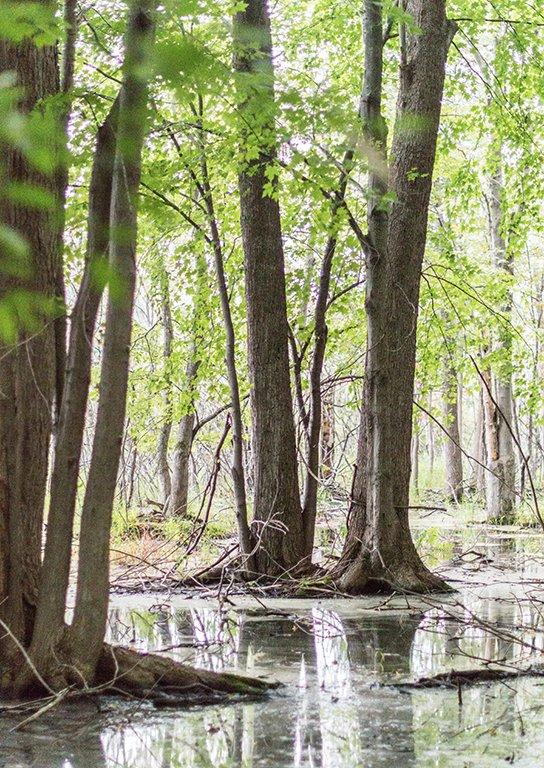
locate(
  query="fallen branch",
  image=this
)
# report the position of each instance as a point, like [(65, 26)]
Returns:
[(455, 678)]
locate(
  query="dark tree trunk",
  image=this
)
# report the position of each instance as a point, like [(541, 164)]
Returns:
[(277, 524), (387, 556), (90, 614), (64, 480), (27, 366), (453, 456)]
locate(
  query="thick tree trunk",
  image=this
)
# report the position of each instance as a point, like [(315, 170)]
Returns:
[(27, 364), (501, 479), (90, 614), (277, 524), (64, 480), (164, 435), (387, 556), (453, 456)]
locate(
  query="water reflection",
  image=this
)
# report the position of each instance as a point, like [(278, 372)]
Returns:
[(332, 713)]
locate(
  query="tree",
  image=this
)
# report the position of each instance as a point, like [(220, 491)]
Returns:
[(452, 446), (277, 518), (396, 244)]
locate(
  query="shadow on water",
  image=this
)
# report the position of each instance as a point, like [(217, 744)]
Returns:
[(333, 657)]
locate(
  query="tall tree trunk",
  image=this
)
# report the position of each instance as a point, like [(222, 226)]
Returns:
[(164, 435), (90, 614), (327, 435), (478, 452), (309, 504), (277, 523), (27, 365), (501, 479), (453, 456), (179, 493), (237, 469), (387, 556), (64, 479), (375, 135)]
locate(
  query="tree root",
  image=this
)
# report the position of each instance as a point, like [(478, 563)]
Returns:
[(165, 681), (456, 678), (127, 672)]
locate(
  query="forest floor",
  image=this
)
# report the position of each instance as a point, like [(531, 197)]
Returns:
[(342, 662)]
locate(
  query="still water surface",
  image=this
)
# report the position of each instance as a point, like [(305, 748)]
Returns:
[(335, 658)]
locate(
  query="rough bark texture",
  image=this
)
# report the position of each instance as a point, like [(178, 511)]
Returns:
[(453, 456), (277, 524), (64, 479), (501, 479), (27, 367), (387, 556), (90, 614)]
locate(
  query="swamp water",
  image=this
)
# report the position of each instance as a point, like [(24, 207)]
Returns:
[(335, 658)]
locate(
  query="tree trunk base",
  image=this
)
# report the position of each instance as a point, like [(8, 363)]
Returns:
[(148, 676), (364, 575)]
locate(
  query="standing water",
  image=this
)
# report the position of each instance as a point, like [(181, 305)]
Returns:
[(341, 662)]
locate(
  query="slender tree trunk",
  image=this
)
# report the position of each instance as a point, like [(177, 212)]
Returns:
[(415, 462), (453, 456), (387, 556), (164, 435), (309, 504), (237, 468), (27, 363), (90, 614), (477, 480), (179, 493), (278, 525), (327, 435), (501, 480), (64, 480)]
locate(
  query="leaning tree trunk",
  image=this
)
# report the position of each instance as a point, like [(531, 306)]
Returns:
[(64, 480), (453, 456), (309, 504), (277, 523), (387, 556), (237, 469), (501, 478), (27, 360), (91, 606)]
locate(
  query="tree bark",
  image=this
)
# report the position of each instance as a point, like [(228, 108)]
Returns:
[(387, 557), (277, 523), (164, 435), (309, 504), (237, 468), (478, 450), (90, 614), (501, 479), (64, 479), (179, 494), (453, 456), (27, 365)]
